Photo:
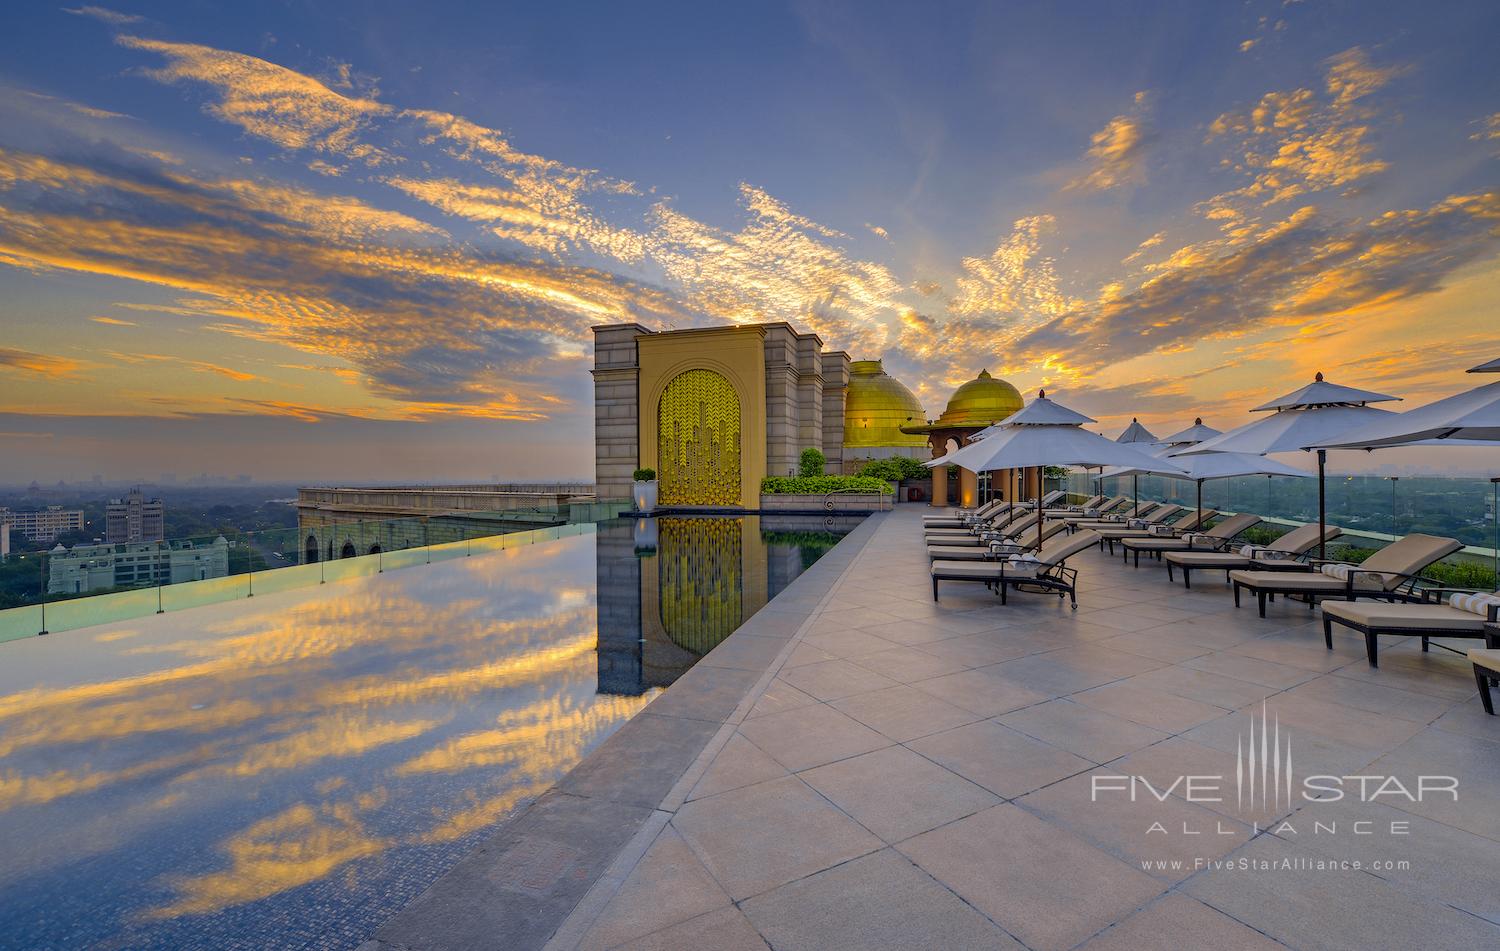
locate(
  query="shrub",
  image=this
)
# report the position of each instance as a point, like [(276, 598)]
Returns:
[(894, 469), (821, 485), (644, 475), (811, 463)]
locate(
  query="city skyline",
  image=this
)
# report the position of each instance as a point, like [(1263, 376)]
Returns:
[(340, 243)]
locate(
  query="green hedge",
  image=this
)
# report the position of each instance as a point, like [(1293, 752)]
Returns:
[(895, 469), (821, 485)]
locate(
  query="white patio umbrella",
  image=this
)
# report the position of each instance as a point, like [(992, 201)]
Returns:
[(1134, 433), (1215, 465), (1311, 416), (1045, 433), (1470, 418)]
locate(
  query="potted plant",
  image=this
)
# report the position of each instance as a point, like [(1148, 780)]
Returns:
[(643, 493)]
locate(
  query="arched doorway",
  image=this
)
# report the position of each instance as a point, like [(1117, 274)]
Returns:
[(348, 550), (375, 549), (312, 549), (698, 440)]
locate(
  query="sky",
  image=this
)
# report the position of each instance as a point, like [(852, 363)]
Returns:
[(366, 241)]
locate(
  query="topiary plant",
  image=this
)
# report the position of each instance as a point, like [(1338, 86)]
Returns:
[(644, 475), (811, 463)]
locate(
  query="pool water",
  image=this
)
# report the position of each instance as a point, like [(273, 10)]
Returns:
[(290, 770)]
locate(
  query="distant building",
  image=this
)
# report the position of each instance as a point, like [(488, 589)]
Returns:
[(43, 525), (85, 568), (4, 540), (134, 519)]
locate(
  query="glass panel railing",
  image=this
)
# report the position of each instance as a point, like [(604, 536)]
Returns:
[(68, 588)]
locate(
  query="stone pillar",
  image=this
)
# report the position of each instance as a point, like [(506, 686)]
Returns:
[(940, 487), (782, 425), (809, 393), (968, 488), (616, 409), (835, 386)]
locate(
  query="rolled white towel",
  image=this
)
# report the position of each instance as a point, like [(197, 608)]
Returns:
[(1342, 571), (1161, 529), (1478, 603)]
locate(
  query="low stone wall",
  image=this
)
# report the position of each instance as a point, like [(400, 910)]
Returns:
[(842, 502)]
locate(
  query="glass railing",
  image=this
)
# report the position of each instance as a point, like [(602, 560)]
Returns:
[(65, 589), (1371, 510)]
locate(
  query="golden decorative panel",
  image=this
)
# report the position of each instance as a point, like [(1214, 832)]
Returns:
[(698, 441), (700, 580)]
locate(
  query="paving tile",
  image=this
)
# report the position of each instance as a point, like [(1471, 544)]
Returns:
[(1373, 697), (908, 664), (1078, 729), (806, 654), (667, 886), (1202, 686), (981, 691), (778, 697), (834, 678), (1175, 922), (811, 736), (705, 693), (1151, 708), (914, 631), (977, 650), (903, 713), (1054, 676), (1475, 762), (1159, 645), (641, 761), (1002, 760), (1251, 669), (724, 930), (896, 794), (739, 763), (876, 902), (756, 838), (1028, 875), (847, 642), (1161, 834), (1317, 908), (745, 651)]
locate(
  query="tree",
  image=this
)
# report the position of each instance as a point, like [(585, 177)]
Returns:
[(811, 463)]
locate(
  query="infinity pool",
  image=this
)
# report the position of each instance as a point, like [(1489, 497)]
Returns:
[(290, 770)]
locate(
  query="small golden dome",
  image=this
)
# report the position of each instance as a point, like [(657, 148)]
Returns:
[(875, 407), (983, 401)]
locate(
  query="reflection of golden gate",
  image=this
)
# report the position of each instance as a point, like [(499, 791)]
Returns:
[(698, 441), (700, 580)]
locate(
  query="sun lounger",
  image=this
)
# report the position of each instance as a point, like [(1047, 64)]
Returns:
[(1052, 498), (991, 550), (988, 510), (1092, 510), (1144, 510), (1390, 574), (1286, 553), (971, 537), (1208, 540), (1044, 571), (1477, 617), (1138, 528)]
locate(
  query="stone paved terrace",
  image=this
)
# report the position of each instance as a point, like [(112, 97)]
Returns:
[(917, 775)]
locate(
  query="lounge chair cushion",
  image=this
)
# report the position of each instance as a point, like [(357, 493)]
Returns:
[(1299, 581), (1425, 617), (1486, 657)]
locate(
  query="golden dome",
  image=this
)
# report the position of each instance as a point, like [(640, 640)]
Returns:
[(875, 407), (983, 401)]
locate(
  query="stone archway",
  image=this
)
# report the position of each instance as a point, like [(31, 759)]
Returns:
[(311, 548), (348, 550)]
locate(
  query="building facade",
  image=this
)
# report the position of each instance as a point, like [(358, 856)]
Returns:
[(134, 518), (713, 410), (86, 568), (43, 525)]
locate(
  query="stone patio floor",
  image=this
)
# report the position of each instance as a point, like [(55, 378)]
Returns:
[(919, 775)]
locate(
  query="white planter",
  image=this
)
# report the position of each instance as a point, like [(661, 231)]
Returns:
[(644, 496)]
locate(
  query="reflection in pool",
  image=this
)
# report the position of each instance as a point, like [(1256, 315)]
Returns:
[(287, 772)]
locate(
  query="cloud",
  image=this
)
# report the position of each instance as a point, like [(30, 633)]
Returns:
[(271, 102), (1292, 143), (40, 364), (1145, 246), (1304, 268), (114, 322), (1489, 129), (104, 15), (1115, 153)]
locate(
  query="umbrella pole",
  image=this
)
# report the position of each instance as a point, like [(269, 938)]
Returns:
[(1135, 487), (1322, 504), (1038, 508), (1200, 505)]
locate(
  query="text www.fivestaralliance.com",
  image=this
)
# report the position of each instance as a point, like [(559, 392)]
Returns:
[(1247, 864)]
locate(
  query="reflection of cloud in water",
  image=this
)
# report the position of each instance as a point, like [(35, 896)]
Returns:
[(339, 709)]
